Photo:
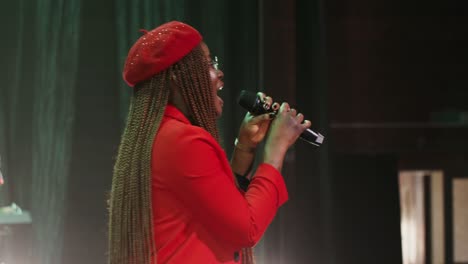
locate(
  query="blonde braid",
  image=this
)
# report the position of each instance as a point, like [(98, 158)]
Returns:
[(130, 223), (197, 91)]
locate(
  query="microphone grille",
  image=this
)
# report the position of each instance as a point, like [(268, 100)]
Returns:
[(247, 100)]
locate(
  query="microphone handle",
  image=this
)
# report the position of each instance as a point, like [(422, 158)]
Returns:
[(312, 137), (252, 103)]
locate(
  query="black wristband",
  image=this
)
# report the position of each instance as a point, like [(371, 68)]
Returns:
[(242, 181)]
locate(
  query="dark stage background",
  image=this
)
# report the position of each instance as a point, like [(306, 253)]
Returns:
[(385, 82)]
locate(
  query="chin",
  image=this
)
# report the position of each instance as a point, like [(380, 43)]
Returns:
[(219, 112)]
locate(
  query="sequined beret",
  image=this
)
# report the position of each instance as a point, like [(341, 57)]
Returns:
[(158, 49)]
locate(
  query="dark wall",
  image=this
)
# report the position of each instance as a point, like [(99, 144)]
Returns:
[(393, 62), (366, 224), (397, 100)]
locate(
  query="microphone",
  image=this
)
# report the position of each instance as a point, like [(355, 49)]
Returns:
[(251, 102)]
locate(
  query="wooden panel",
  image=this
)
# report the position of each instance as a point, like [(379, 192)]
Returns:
[(460, 220)]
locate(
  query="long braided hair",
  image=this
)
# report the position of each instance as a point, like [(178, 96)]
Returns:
[(130, 221)]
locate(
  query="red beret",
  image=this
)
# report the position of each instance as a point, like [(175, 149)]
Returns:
[(158, 49)]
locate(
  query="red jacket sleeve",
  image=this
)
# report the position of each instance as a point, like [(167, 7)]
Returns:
[(203, 181)]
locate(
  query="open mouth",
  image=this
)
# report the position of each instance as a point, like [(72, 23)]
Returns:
[(218, 97)]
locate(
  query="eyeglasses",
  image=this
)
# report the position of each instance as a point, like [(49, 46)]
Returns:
[(215, 63)]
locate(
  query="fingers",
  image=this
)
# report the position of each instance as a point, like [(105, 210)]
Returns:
[(293, 112), (260, 118), (261, 95), (284, 107), (275, 106), (306, 124), (300, 118), (266, 100)]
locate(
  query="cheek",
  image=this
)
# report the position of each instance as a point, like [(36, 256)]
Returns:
[(213, 80), (213, 76)]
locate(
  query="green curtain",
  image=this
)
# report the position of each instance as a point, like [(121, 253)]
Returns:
[(37, 117), (12, 141), (57, 25), (9, 89)]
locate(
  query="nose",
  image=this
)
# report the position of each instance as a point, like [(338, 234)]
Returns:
[(220, 74)]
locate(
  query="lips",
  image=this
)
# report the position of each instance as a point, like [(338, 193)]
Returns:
[(220, 100), (220, 87)]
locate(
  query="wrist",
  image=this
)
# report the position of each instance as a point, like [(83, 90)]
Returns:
[(249, 148), (275, 147), (274, 155)]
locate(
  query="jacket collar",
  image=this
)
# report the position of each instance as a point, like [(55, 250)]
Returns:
[(173, 112)]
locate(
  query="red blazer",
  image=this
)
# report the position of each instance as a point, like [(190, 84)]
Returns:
[(199, 215)]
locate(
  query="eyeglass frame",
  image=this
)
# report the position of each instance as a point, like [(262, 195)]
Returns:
[(215, 63)]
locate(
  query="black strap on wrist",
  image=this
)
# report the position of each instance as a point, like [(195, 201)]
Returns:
[(242, 181)]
